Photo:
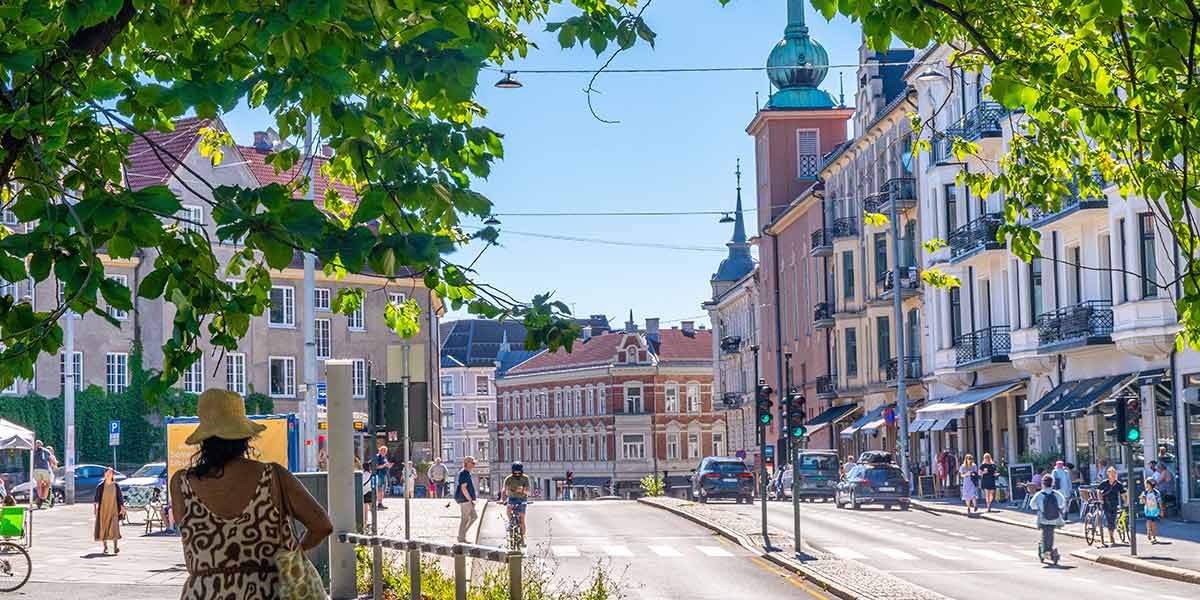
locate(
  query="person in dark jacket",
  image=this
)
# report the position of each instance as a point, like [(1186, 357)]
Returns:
[(109, 506)]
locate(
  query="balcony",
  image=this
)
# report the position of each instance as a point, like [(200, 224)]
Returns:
[(822, 243), (823, 315), (940, 149), (730, 344), (912, 369), (910, 282), (1068, 205), (901, 190), (827, 386), (977, 235), (979, 123), (845, 227), (1085, 324), (731, 400), (991, 344)]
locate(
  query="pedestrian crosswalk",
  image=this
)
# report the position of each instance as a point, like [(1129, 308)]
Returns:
[(593, 550), (920, 548)]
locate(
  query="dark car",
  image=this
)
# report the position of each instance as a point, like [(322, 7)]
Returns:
[(873, 483), (87, 477), (818, 475), (723, 478)]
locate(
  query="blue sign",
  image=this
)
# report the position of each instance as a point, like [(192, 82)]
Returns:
[(114, 433), (769, 451), (322, 397)]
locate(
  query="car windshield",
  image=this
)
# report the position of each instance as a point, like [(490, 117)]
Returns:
[(152, 470), (882, 476), (821, 462), (727, 467)]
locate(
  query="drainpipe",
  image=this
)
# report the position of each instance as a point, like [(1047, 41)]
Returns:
[(778, 327)]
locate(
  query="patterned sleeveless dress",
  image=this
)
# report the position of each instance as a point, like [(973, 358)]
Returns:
[(233, 558)]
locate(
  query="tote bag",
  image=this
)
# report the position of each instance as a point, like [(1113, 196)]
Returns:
[(298, 578)]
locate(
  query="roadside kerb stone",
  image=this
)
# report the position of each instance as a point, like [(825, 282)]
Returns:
[(997, 517), (845, 579), (1140, 565)]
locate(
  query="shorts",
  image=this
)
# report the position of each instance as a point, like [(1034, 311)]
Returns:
[(517, 504), (1152, 519), (1110, 517), (368, 497), (40, 475)]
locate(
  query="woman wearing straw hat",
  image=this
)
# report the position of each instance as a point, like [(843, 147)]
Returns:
[(229, 508)]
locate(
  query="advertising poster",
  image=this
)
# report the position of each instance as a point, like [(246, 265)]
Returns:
[(271, 445)]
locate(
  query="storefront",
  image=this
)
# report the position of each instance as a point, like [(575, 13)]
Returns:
[(976, 421), (831, 417), (867, 433)]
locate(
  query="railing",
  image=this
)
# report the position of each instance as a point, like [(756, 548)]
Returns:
[(912, 368), (827, 384), (987, 343), (845, 227), (901, 190), (823, 311), (731, 399), (460, 552), (874, 203), (940, 149), (730, 344), (978, 233), (1073, 200), (910, 279), (1093, 318), (980, 122), (822, 238)]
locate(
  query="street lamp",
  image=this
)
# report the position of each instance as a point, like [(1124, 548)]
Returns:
[(726, 219), (507, 82), (491, 220), (929, 75)]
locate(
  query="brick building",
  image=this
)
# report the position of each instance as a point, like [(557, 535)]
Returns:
[(620, 406)]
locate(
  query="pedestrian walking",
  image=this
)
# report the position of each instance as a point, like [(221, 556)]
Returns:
[(410, 479), (987, 479), (382, 465), (437, 476), (1062, 483), (970, 482), (1050, 505), (1112, 493), (464, 495), (1152, 500), (44, 464), (234, 513), (108, 508)]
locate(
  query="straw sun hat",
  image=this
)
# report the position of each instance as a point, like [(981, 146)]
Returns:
[(223, 414)]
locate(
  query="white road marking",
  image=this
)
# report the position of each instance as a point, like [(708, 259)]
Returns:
[(565, 551), (1169, 597), (924, 526), (617, 551), (944, 555), (991, 554), (974, 539), (1083, 580), (940, 530), (846, 553), (666, 551), (896, 554), (1125, 588), (714, 551)]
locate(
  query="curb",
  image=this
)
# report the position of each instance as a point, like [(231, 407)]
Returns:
[(1141, 566), (954, 510), (844, 592)]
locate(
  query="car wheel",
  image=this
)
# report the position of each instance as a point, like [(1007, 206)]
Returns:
[(854, 503), (703, 499), (904, 506)]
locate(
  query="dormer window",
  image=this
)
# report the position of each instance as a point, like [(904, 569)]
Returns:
[(631, 355)]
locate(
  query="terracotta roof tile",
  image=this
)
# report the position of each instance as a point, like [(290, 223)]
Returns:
[(674, 345), (147, 166), (265, 173)]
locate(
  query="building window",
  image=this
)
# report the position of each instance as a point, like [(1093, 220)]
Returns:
[(321, 299), (1149, 265), (191, 218), (483, 416), (956, 314), (881, 263), (76, 370), (591, 447), (283, 306), (951, 208), (671, 397), (693, 445), (1035, 292), (718, 441), (590, 400), (601, 399), (672, 445), (558, 403), (113, 312), (633, 398), (693, 397), (808, 153), (482, 450), (193, 377), (1074, 276), (116, 371), (481, 385), (848, 274), (323, 334), (358, 378), (355, 321), (447, 385), (633, 446), (8, 289), (631, 355), (1106, 286), (883, 337), (1124, 263), (235, 372), (396, 298), (578, 395), (283, 377), (851, 352)]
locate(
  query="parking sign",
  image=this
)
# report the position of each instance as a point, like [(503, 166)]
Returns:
[(114, 433)]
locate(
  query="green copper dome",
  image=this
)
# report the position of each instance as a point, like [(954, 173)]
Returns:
[(797, 65)]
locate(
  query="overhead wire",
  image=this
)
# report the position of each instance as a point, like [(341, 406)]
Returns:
[(607, 242)]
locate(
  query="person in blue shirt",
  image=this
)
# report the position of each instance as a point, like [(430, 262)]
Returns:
[(464, 495), (1050, 505), (382, 465)]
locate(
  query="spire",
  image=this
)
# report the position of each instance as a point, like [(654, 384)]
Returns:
[(738, 262), (504, 339), (795, 16), (842, 89), (797, 66), (739, 223), (630, 325)]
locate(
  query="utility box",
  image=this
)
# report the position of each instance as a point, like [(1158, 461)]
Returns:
[(317, 484)]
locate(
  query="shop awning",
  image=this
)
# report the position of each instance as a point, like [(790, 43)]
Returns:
[(829, 416), (919, 425), (956, 407), (592, 481), (1030, 415), (941, 425), (1088, 393), (859, 424), (873, 426)]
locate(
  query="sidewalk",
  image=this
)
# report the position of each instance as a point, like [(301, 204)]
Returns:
[(843, 578), (1178, 557)]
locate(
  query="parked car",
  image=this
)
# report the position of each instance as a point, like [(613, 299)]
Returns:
[(87, 477), (873, 483), (721, 477), (149, 475), (818, 475)]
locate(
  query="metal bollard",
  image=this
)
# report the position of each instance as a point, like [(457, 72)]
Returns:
[(514, 576), (460, 573), (414, 574)]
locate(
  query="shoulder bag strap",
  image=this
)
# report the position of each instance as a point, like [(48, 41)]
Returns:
[(285, 511)]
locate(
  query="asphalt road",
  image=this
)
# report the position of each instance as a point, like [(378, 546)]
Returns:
[(964, 557), (656, 555)]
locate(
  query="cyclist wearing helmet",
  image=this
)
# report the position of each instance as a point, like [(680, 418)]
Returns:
[(515, 492)]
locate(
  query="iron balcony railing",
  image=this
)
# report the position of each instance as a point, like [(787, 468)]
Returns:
[(984, 344), (845, 227), (827, 385), (910, 279), (730, 344), (823, 311), (874, 203), (1090, 319), (980, 122), (980, 233), (822, 238), (1072, 201), (901, 190), (940, 149), (912, 368)]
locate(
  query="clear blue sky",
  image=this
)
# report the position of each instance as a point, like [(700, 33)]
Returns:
[(673, 150)]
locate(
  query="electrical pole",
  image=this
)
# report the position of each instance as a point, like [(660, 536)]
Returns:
[(901, 363), (68, 410), (309, 409)]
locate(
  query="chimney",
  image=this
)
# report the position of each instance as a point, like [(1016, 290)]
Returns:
[(262, 141), (586, 333), (689, 327), (652, 329)]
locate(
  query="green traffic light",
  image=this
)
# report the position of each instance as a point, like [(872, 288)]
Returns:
[(799, 431), (1133, 435), (765, 419)]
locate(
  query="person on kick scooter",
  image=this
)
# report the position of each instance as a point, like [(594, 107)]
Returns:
[(1050, 505)]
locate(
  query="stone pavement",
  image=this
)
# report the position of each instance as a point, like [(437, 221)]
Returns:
[(1180, 549), (845, 578)]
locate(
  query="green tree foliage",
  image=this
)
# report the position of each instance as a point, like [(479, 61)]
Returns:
[(391, 85), (1109, 92)]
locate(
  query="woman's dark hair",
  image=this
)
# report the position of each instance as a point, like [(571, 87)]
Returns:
[(215, 453)]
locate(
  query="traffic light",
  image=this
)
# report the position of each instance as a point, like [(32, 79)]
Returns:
[(1132, 433), (796, 412), (1117, 418), (762, 395)]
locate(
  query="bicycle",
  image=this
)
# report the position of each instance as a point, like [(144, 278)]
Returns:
[(15, 566), (1093, 517), (1123, 525), (513, 537)]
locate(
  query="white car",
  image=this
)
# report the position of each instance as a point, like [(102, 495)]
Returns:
[(150, 475)]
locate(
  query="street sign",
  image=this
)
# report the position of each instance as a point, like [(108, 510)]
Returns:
[(741, 454), (114, 433), (322, 397)]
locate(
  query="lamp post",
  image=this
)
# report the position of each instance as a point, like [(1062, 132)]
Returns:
[(901, 385), (761, 428)]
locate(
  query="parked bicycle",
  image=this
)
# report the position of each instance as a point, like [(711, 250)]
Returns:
[(1093, 515)]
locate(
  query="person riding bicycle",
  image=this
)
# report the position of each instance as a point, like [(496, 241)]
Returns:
[(1050, 505), (515, 493), (1112, 494)]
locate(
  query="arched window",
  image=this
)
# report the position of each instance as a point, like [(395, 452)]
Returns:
[(631, 355)]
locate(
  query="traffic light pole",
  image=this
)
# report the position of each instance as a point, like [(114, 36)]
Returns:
[(761, 430), (793, 455), (1130, 506)]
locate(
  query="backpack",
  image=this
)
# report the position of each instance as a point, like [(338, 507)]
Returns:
[(1050, 508), (1057, 481)]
